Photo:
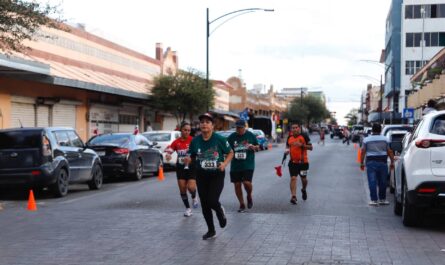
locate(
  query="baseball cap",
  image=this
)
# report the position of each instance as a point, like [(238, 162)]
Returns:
[(240, 123), (206, 116)]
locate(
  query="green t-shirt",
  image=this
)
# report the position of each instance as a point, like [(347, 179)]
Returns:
[(208, 155), (244, 158)]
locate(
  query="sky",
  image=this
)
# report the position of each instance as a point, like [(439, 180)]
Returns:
[(319, 44)]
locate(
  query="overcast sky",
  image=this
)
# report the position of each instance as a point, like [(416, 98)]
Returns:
[(316, 44)]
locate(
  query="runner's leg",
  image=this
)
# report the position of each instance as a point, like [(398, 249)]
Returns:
[(182, 184), (203, 183), (215, 187), (293, 186), (248, 187), (239, 193)]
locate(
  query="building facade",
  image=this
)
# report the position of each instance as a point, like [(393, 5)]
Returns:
[(76, 79), (423, 36)]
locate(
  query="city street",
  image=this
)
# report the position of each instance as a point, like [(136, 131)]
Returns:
[(142, 222)]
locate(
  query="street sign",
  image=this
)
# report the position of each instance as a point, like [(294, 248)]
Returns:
[(408, 113)]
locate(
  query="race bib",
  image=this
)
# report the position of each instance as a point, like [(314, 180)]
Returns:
[(303, 173), (181, 160), (209, 164), (240, 155)]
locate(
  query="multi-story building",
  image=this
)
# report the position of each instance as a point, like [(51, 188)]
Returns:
[(391, 57), (423, 36)]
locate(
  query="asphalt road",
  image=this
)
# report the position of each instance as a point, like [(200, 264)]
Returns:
[(141, 222)]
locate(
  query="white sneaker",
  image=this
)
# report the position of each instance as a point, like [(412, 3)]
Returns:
[(188, 212), (195, 203), (373, 203), (384, 202)]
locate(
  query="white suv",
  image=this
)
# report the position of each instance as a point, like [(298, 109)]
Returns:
[(420, 171)]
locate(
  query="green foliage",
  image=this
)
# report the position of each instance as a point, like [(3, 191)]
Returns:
[(308, 110), (20, 20), (352, 117), (182, 94)]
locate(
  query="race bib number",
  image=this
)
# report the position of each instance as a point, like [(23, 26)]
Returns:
[(303, 173), (240, 155), (181, 160), (209, 164)]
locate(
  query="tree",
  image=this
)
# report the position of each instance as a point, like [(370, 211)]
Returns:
[(20, 20), (308, 110), (352, 117), (182, 94)]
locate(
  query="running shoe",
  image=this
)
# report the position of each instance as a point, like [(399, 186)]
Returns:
[(209, 235), (222, 217), (373, 203), (188, 212), (249, 202), (293, 200), (195, 203), (384, 202), (304, 194), (242, 209)]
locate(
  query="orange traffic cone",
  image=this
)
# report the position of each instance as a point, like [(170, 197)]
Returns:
[(359, 156), (31, 202), (161, 174), (269, 146)]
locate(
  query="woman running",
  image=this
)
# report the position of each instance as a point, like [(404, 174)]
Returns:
[(186, 178), (209, 154)]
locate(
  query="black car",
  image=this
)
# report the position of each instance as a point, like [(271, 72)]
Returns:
[(126, 154), (47, 157)]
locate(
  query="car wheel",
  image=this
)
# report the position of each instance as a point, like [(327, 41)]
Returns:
[(332, 136), (97, 178), (397, 205), (60, 188), (138, 170), (410, 215)]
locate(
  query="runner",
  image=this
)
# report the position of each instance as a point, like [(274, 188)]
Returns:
[(244, 143), (185, 176), (297, 145), (207, 154), (321, 136)]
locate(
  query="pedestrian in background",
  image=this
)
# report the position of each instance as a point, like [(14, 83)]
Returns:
[(244, 144), (279, 132), (209, 154), (376, 151), (430, 107), (322, 135), (346, 135), (185, 176)]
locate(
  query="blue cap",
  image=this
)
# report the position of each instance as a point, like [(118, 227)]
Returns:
[(240, 123)]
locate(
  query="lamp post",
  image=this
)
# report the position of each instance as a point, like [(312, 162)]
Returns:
[(208, 23)]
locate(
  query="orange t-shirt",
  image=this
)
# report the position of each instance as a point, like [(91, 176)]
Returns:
[(298, 154)]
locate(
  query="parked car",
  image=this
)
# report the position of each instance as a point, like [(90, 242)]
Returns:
[(396, 127), (395, 138), (163, 140), (356, 132), (47, 157), (262, 139), (337, 132), (420, 171), (226, 134), (126, 154)]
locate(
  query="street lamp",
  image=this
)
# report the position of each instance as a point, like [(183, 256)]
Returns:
[(208, 23)]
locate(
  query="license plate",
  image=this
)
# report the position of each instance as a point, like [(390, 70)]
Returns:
[(100, 153)]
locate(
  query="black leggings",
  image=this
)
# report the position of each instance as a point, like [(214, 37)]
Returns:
[(210, 186)]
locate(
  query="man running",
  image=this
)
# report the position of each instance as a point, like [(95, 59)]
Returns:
[(185, 176), (297, 146), (210, 153), (244, 143)]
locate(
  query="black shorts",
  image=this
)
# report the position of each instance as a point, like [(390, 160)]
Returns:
[(298, 169), (240, 176), (184, 174)]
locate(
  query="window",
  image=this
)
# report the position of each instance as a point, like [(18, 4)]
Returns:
[(439, 126), (128, 119), (411, 67), (409, 40), (427, 37), (441, 39), (433, 11), (409, 11), (121, 140), (417, 11), (62, 138), (417, 39), (441, 10), (434, 39), (20, 139), (75, 139)]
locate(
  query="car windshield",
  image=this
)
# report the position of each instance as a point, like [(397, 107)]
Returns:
[(20, 139), (111, 139), (439, 126), (398, 137), (158, 137)]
